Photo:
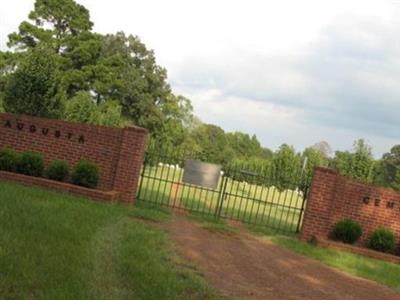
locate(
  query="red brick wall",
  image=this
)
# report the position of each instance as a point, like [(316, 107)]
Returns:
[(118, 152), (334, 197)]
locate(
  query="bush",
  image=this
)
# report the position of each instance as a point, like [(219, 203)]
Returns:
[(58, 170), (347, 231), (86, 173), (382, 240), (8, 160), (31, 163)]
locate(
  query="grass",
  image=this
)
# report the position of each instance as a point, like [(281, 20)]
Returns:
[(382, 272), (54, 246)]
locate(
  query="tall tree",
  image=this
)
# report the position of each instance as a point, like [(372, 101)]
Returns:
[(324, 149), (54, 22), (82, 108), (213, 144), (357, 164), (134, 79), (312, 157), (175, 129), (387, 170), (286, 167), (245, 146), (363, 160), (114, 67), (34, 88), (342, 162)]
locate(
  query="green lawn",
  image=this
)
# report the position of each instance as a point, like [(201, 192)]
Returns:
[(54, 246), (380, 271)]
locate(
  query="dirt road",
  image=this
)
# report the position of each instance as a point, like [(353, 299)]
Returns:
[(244, 267)]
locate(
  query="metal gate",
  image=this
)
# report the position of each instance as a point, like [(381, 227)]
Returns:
[(248, 195)]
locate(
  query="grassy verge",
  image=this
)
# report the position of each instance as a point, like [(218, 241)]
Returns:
[(380, 271), (54, 246)]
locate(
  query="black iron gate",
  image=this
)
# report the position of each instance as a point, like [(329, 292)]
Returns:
[(252, 196)]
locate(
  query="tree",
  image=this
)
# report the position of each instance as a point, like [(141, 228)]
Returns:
[(286, 167), (34, 88), (386, 171), (83, 108), (313, 158), (266, 153), (53, 22), (178, 117), (363, 160), (127, 71), (213, 144), (342, 162), (109, 114), (380, 174), (243, 145), (114, 67), (80, 108), (324, 149), (357, 164)]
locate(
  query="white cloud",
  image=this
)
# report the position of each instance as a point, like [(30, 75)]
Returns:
[(289, 71)]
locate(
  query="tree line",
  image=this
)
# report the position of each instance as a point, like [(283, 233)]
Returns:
[(58, 67)]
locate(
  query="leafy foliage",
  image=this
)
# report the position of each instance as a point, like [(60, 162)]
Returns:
[(54, 22), (214, 144), (82, 108), (85, 173), (128, 73), (383, 240), (245, 146), (387, 170), (312, 157), (33, 89), (31, 163), (347, 231), (57, 170), (286, 167), (8, 160), (357, 164)]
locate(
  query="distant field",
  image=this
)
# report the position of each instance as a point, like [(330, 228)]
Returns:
[(263, 205)]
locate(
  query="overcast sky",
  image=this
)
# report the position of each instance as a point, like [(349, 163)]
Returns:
[(294, 72)]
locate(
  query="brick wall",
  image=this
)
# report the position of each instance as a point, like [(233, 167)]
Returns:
[(118, 152), (334, 197)]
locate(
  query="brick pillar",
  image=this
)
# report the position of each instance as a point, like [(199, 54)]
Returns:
[(130, 161), (320, 204)]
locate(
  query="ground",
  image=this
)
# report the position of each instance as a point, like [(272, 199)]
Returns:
[(246, 267), (54, 246)]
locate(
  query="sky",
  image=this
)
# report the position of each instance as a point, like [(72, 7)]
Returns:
[(295, 72)]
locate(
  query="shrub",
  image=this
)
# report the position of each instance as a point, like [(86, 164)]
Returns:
[(30, 163), (58, 170), (8, 159), (382, 240), (347, 231), (86, 173)]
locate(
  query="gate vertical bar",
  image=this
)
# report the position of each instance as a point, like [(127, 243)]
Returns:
[(221, 197)]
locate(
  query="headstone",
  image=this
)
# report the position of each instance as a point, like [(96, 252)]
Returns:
[(201, 173)]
